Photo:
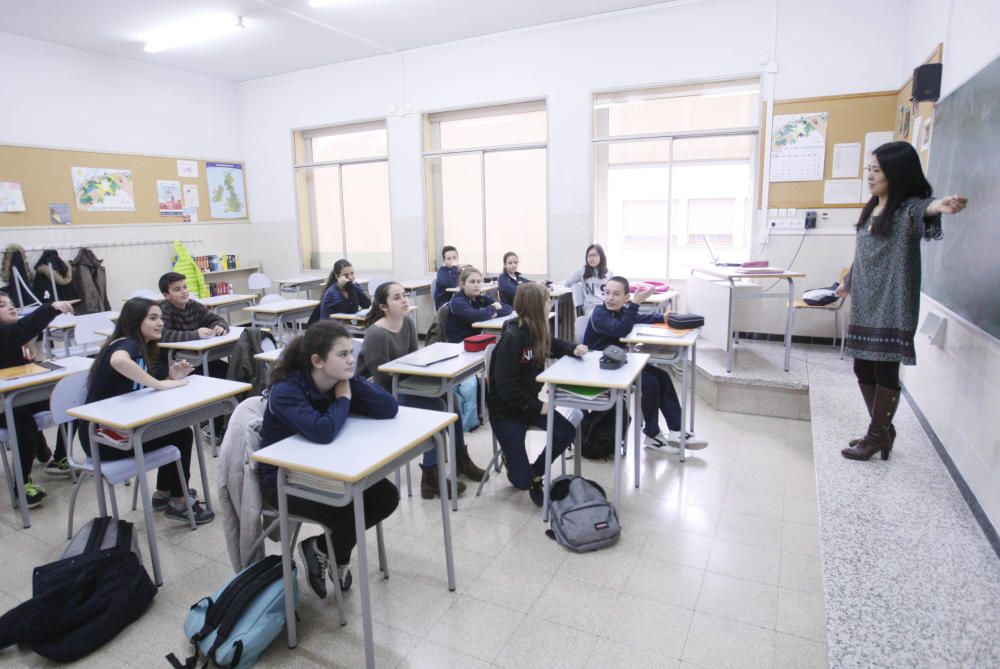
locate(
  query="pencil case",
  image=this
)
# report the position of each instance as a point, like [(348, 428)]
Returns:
[(479, 342), (685, 321), (657, 286)]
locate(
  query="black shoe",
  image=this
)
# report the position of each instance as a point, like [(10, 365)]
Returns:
[(34, 494), (536, 493), (161, 503), (42, 451), (316, 562), (201, 514)]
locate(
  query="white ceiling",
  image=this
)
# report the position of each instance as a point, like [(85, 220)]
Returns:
[(283, 35)]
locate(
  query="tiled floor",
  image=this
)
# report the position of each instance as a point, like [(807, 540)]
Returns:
[(717, 566)]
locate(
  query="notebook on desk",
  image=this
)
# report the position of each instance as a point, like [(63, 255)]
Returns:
[(21, 371), (760, 270), (426, 358)]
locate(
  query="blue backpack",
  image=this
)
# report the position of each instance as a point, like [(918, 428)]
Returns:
[(468, 403), (237, 623)]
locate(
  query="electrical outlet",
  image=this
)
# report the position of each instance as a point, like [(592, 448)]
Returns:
[(795, 225)]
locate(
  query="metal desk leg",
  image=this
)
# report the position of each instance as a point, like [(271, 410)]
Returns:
[(286, 560), (619, 400), (637, 427), (211, 422), (22, 498), (453, 459), (731, 333), (684, 403), (694, 378), (201, 465), (445, 516), (788, 322), (95, 457), (140, 464), (366, 604), (549, 432)]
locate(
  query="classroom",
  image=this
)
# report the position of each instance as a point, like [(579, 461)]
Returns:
[(405, 265)]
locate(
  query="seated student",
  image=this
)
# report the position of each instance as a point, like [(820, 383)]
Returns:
[(510, 278), (447, 276), (512, 393), (593, 275), (312, 390), (343, 294), (390, 335), (15, 335), (613, 320), (469, 306), (129, 360)]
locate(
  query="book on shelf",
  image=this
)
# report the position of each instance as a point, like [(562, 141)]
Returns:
[(584, 392)]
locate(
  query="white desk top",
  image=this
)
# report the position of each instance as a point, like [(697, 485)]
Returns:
[(362, 446), (301, 278), (208, 343), (640, 335), (269, 356), (145, 406), (734, 273), (414, 284), (660, 298), (67, 321), (587, 371), (71, 365), (282, 307), (445, 369), (497, 323), (223, 300)]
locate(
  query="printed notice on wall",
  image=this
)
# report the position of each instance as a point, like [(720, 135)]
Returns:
[(187, 168), (11, 198), (846, 160), (798, 147), (841, 191)]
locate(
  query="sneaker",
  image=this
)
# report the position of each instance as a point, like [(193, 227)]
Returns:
[(206, 435), (535, 492), (35, 494), (201, 514), (316, 562), (57, 467), (660, 444), (161, 502), (693, 443)]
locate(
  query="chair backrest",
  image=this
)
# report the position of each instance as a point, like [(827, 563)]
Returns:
[(578, 298), (147, 293), (486, 361), (267, 344), (271, 298), (84, 332), (258, 281), (580, 328), (70, 392)]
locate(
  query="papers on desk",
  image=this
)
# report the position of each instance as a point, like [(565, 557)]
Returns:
[(426, 357), (664, 332), (760, 270)]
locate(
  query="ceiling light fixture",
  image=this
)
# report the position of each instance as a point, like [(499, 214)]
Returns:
[(195, 30), (322, 3)]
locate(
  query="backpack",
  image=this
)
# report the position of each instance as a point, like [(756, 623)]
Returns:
[(580, 517), (468, 403), (237, 623), (436, 332), (820, 297), (597, 433), (85, 599)]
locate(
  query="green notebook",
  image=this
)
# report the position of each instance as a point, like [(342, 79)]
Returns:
[(586, 392)]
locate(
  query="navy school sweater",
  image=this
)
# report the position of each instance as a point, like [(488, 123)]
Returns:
[(463, 312), (606, 328)]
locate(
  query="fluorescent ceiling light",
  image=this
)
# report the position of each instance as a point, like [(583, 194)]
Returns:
[(195, 30), (322, 3)]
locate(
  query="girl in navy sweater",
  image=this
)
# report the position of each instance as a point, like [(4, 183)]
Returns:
[(613, 320), (312, 391), (510, 278), (469, 306), (447, 276), (343, 294)]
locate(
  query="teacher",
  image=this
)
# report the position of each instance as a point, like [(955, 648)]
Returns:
[(884, 284)]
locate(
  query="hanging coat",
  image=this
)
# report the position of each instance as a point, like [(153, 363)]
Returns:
[(50, 266), (90, 283), (15, 259)]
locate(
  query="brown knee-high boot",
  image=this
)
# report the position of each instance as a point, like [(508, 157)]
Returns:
[(879, 437), (429, 483), (466, 466), (868, 392)]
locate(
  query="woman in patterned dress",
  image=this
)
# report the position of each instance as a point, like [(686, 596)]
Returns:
[(884, 283)]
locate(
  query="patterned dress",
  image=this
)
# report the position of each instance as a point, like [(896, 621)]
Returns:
[(884, 283)]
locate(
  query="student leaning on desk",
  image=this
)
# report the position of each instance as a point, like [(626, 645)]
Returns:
[(129, 361), (16, 336)]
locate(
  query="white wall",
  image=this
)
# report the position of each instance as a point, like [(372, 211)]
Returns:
[(60, 97), (957, 385)]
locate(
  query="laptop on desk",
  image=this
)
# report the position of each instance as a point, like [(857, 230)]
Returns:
[(715, 258)]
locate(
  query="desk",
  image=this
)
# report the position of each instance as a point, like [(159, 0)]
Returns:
[(660, 302), (664, 351), (226, 304), (300, 283), (495, 325), (364, 452), (448, 374), (282, 311), (586, 371), (65, 324), (148, 413), (731, 276), (356, 323), (26, 390)]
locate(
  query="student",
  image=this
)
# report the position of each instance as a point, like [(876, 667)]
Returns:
[(593, 276), (884, 283), (613, 320), (512, 393), (312, 390), (15, 337), (470, 306), (447, 276), (128, 361), (390, 335), (343, 294), (510, 278)]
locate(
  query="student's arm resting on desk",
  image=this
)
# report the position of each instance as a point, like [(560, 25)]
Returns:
[(364, 302), (604, 322), (560, 347), (288, 403), (463, 309), (209, 319), (123, 363), (179, 325), (368, 399)]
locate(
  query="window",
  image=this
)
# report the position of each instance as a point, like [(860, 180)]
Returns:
[(485, 182), (673, 166), (342, 189)]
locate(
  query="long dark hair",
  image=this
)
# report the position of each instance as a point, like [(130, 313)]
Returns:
[(338, 267), (380, 297), (531, 302), (297, 356), (129, 326), (900, 164), (601, 270)]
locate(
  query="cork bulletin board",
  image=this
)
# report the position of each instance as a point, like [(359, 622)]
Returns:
[(45, 178)]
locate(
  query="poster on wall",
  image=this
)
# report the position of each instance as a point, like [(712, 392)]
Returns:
[(60, 214), (11, 198), (191, 196), (187, 169), (169, 195), (103, 189), (226, 194), (798, 147)]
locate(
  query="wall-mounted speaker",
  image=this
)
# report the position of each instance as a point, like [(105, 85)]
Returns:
[(927, 83)]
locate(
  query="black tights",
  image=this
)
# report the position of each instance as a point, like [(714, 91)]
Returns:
[(877, 373)]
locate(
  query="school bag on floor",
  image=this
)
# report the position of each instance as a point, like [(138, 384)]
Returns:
[(83, 600), (597, 433), (580, 516), (241, 619), (468, 403)]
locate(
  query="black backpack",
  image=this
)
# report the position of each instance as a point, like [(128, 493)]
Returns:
[(81, 602), (597, 432)]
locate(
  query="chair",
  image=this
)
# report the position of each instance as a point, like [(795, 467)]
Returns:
[(259, 281), (578, 299), (146, 293), (88, 342), (4, 447), (580, 328), (574, 416), (839, 324)]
